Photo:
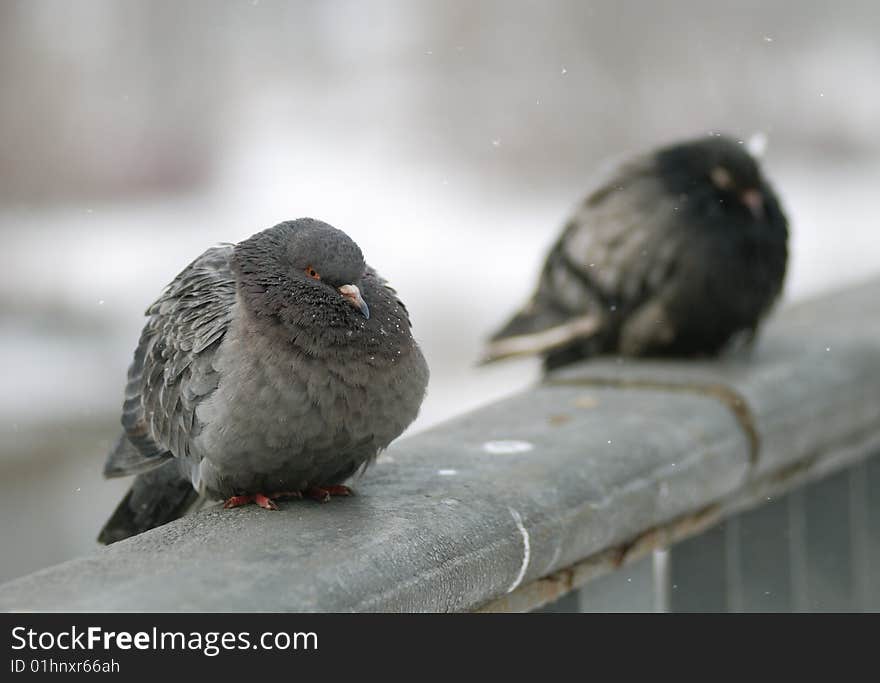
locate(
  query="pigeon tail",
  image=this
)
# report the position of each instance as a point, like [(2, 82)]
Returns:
[(156, 497), (127, 457), (539, 330)]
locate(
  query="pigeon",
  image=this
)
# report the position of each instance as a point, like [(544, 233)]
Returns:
[(277, 367), (676, 253)]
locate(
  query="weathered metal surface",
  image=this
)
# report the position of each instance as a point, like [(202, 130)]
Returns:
[(597, 467)]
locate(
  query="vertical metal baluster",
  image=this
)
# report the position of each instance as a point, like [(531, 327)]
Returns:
[(662, 580)]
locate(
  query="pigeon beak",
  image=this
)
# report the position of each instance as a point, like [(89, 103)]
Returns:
[(353, 295), (754, 201)]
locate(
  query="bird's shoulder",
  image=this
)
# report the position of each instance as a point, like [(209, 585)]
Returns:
[(172, 370), (626, 231)]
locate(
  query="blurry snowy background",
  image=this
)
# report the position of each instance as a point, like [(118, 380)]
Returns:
[(448, 138)]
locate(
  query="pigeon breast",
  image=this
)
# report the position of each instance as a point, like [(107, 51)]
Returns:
[(283, 418)]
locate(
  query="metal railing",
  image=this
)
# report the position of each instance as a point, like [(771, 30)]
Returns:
[(738, 484), (815, 549)]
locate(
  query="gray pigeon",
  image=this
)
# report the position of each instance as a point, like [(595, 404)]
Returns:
[(672, 253), (272, 368)]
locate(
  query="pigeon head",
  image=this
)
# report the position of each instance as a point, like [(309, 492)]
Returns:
[(321, 253), (717, 173), (303, 274)]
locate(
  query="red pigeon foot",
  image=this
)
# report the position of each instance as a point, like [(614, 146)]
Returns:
[(237, 501), (260, 499), (265, 502), (323, 493)]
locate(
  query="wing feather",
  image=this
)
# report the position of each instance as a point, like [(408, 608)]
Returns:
[(172, 372), (608, 260)]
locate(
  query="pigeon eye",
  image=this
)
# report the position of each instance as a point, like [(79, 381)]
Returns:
[(721, 178), (312, 273)]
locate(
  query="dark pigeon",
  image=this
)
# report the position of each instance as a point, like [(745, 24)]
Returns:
[(276, 367), (673, 253)]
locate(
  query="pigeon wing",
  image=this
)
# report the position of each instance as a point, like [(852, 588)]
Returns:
[(617, 248), (172, 370)]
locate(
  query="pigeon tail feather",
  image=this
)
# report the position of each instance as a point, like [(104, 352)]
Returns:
[(156, 497), (540, 330), (126, 459)]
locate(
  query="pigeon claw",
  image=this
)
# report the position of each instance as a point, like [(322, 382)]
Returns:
[(260, 499), (237, 501), (265, 502), (323, 493)]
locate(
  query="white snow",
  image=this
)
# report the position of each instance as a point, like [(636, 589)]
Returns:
[(527, 549)]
